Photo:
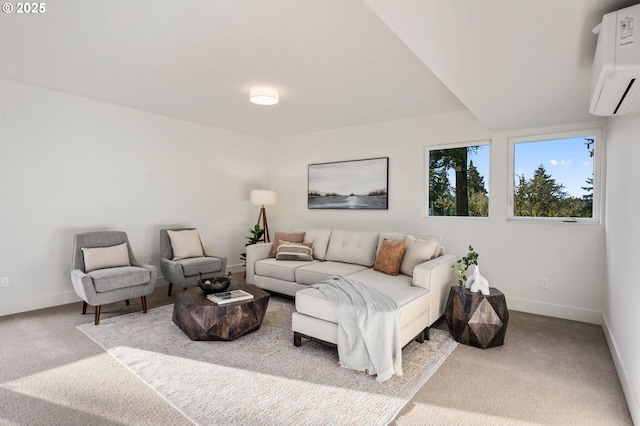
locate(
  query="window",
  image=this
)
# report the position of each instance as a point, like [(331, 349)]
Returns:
[(556, 177), (458, 180)]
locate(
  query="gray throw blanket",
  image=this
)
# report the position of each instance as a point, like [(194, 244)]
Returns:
[(368, 327)]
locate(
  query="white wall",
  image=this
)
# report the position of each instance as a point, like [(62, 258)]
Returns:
[(622, 310), (514, 256), (69, 164)]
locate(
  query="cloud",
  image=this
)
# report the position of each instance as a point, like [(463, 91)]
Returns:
[(561, 162)]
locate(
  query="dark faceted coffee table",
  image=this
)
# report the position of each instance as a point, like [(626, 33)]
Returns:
[(201, 319)]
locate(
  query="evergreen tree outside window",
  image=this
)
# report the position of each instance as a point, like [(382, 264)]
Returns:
[(555, 177), (457, 180)]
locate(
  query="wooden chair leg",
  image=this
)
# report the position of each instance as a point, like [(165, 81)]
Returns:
[(97, 316), (84, 307), (170, 287), (144, 304)]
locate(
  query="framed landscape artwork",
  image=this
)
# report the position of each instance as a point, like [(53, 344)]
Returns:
[(357, 184)]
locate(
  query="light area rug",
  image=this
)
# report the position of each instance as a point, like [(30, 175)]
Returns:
[(261, 378)]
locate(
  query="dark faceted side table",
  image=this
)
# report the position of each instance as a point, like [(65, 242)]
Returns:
[(475, 319), (201, 319)]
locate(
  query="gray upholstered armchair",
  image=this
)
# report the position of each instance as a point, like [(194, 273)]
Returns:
[(183, 259), (106, 271)]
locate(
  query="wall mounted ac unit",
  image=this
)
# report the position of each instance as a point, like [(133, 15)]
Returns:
[(615, 79)]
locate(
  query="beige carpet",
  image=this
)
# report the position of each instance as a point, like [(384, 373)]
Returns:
[(261, 378)]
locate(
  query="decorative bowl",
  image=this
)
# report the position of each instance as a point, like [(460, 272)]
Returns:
[(214, 285)]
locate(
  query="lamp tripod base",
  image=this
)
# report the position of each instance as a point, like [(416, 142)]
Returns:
[(262, 217)]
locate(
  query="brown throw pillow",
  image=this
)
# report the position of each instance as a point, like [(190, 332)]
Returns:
[(389, 257), (294, 237)]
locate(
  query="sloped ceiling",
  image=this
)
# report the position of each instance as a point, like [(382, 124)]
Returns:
[(337, 63), (514, 64)]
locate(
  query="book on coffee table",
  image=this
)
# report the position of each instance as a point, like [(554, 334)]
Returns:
[(229, 297)]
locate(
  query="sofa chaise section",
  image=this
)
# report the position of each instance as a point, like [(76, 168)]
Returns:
[(315, 316)]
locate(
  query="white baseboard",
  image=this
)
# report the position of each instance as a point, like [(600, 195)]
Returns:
[(236, 268), (47, 301), (37, 302), (629, 394), (590, 316)]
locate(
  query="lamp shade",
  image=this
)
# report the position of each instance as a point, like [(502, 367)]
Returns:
[(264, 95), (262, 197)]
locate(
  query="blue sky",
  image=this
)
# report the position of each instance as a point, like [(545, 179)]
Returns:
[(566, 160)]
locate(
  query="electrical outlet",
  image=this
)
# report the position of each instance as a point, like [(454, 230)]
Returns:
[(4, 282), (545, 283), (149, 261)]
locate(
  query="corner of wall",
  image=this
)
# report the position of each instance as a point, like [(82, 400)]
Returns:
[(629, 394), (572, 313)]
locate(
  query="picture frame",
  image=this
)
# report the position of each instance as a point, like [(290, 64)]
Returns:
[(352, 185)]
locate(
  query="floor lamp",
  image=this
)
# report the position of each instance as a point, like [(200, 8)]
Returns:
[(261, 197)]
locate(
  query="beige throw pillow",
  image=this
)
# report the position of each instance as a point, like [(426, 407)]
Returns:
[(417, 251), (294, 251), (294, 237), (105, 257), (291, 243), (185, 244), (389, 257)]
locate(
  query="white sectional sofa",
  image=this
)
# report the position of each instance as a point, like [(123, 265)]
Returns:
[(420, 289)]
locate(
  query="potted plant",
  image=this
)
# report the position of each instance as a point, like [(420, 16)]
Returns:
[(256, 235), (463, 264)]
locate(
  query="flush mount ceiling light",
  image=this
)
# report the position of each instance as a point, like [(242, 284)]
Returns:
[(264, 95)]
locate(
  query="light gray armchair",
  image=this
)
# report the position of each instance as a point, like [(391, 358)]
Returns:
[(185, 272), (106, 271)]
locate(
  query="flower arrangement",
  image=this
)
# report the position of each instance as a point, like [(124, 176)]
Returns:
[(463, 264)]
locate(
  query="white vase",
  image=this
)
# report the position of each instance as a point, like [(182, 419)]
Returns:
[(469, 281), (471, 278), (477, 282)]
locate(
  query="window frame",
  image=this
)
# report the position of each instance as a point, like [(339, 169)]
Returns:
[(427, 156), (598, 177)]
